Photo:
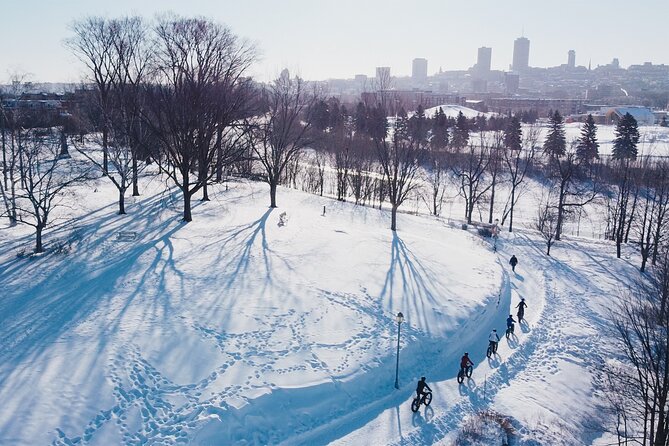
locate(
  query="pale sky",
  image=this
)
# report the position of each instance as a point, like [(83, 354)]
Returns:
[(341, 38)]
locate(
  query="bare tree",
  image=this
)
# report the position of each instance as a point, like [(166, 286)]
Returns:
[(574, 191), (284, 130), (470, 172), (518, 162), (650, 223), (547, 222), (641, 323), (47, 176), (400, 157), (93, 44), (436, 178), (199, 65)]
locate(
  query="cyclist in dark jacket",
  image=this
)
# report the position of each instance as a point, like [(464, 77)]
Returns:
[(420, 388), (465, 362)]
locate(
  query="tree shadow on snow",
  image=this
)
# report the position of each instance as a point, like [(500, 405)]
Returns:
[(66, 290), (416, 284)]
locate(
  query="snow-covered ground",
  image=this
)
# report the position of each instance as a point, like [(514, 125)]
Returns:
[(233, 329)]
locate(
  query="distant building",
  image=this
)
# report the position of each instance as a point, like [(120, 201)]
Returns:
[(643, 115), (571, 59), (511, 82), (419, 71), (382, 78), (483, 62), (361, 82), (542, 106), (521, 54), (410, 99)]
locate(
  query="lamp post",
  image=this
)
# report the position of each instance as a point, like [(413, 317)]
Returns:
[(399, 318)]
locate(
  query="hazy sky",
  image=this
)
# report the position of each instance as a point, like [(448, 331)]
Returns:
[(341, 38)]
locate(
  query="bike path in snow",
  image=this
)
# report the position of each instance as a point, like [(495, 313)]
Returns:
[(452, 402)]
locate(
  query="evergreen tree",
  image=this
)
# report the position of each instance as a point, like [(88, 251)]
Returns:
[(361, 118), (588, 147), (460, 136), (439, 138), (377, 123), (556, 142), (402, 125), (321, 115), (418, 126), (627, 138), (513, 135)]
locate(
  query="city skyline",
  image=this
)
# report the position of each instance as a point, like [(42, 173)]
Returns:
[(327, 41)]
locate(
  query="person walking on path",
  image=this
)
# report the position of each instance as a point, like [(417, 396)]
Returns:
[(513, 262), (521, 309)]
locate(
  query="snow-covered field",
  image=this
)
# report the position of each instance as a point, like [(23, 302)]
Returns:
[(233, 329)]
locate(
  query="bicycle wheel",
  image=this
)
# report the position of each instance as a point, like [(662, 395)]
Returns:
[(415, 404), (470, 369), (427, 399), (461, 377), (488, 352)]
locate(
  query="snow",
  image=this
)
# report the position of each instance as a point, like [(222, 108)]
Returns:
[(232, 329), (452, 111)]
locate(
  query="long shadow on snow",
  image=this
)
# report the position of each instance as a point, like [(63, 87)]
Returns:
[(65, 292)]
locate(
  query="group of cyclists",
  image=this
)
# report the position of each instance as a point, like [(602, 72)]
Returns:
[(465, 361), (493, 340)]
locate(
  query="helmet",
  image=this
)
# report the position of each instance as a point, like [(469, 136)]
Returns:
[(494, 329), (522, 298), (511, 315), (466, 354), (422, 378)]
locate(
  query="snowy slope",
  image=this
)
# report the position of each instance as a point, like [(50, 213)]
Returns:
[(229, 329)]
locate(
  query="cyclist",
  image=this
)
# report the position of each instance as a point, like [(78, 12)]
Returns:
[(521, 308), (493, 339), (420, 388), (465, 362), (510, 321)]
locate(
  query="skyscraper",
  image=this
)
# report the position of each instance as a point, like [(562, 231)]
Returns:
[(484, 59), (521, 54), (419, 71), (571, 61)]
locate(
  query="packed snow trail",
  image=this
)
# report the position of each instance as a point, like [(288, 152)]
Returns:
[(451, 402)]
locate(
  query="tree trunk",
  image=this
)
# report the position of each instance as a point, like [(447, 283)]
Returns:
[(185, 188), (4, 157), (548, 251), (188, 216), (121, 201), (558, 226), (219, 155), (513, 197), (135, 186), (272, 194), (105, 151), (64, 153), (205, 191), (492, 200), (38, 238), (393, 218)]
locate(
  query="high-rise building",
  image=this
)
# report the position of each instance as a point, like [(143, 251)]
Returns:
[(571, 60), (484, 59), (419, 71), (382, 78), (521, 54)]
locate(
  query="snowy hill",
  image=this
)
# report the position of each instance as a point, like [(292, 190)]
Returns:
[(233, 329)]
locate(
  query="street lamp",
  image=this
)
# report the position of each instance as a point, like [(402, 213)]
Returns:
[(399, 318)]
